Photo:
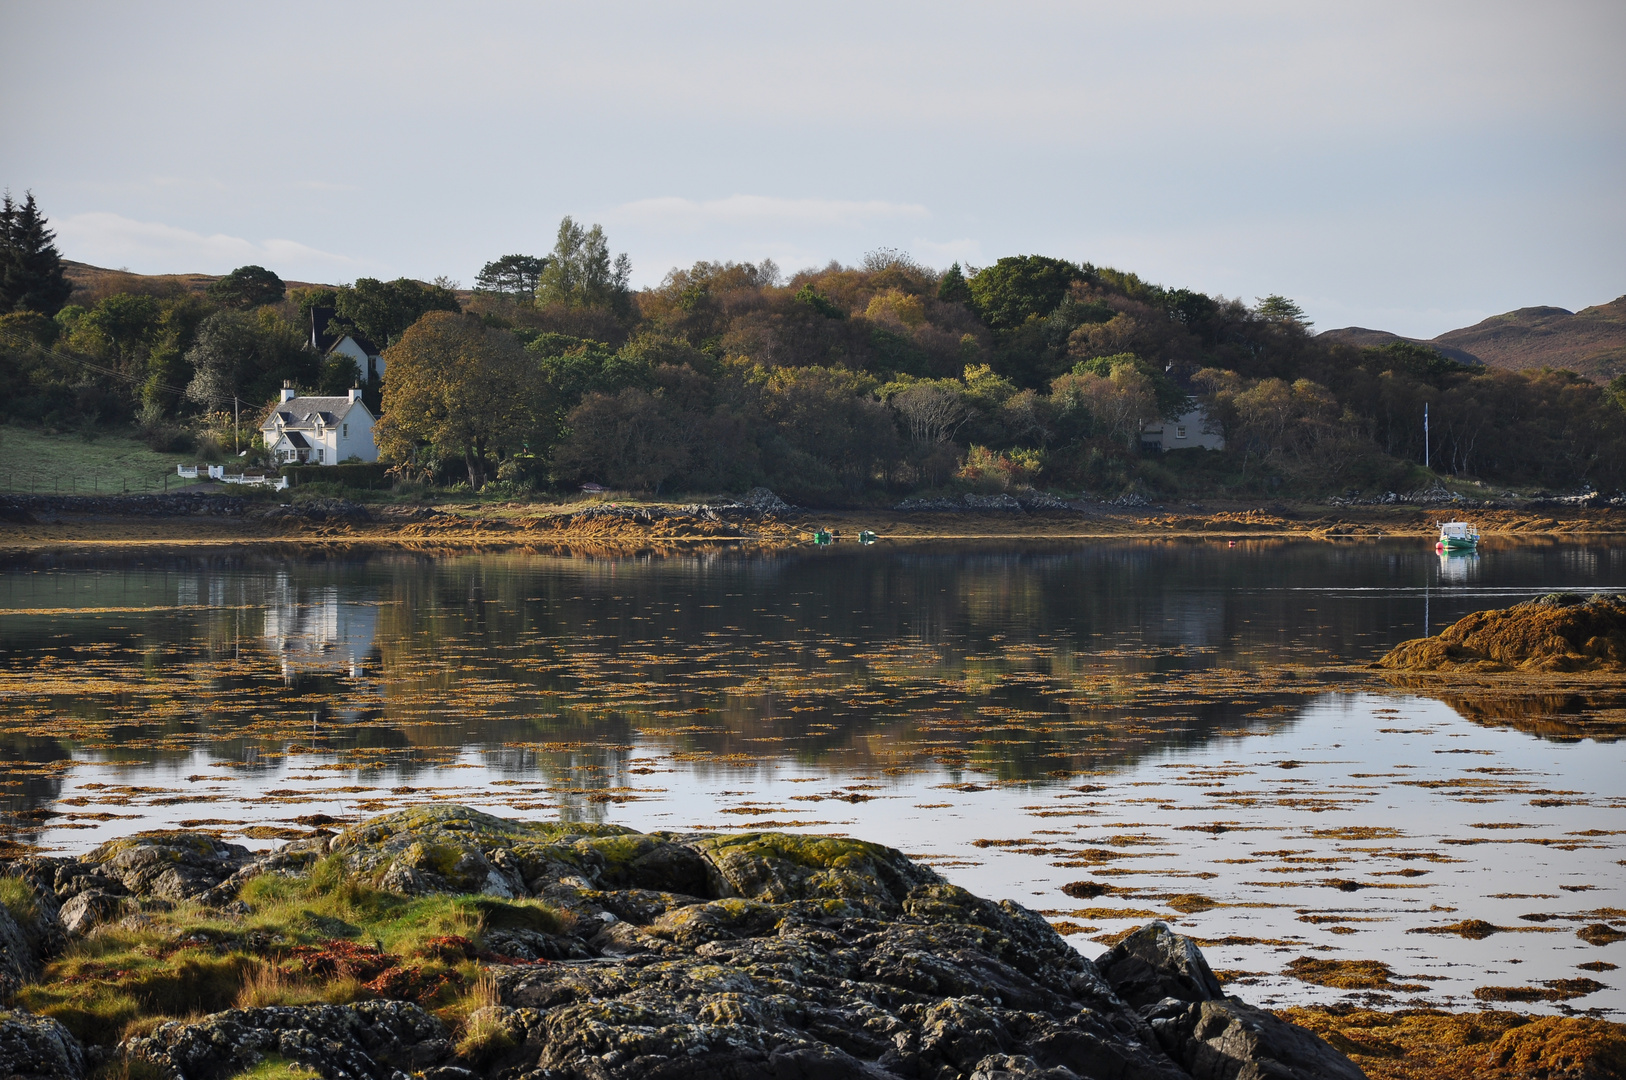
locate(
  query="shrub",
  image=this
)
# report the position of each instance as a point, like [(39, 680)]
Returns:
[(357, 474), (1001, 469)]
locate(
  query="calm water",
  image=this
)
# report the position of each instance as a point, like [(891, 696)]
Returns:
[(1160, 721)]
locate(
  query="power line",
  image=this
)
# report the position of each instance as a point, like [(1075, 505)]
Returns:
[(114, 372)]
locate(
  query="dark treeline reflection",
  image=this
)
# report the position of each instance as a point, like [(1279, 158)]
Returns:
[(1015, 662)]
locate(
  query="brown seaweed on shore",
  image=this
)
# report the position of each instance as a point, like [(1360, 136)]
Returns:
[(1428, 1044), (1559, 632), (1549, 667)]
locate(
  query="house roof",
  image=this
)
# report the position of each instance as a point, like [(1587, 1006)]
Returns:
[(296, 440), (323, 342), (303, 411)]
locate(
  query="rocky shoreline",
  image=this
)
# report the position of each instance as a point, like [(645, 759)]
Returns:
[(189, 518), (586, 952)]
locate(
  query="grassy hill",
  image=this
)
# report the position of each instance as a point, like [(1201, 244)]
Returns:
[(1591, 342), (93, 283), (33, 461)]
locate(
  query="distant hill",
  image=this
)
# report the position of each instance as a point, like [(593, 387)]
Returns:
[(93, 283), (1591, 342)]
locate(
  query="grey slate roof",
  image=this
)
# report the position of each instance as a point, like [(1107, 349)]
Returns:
[(303, 411)]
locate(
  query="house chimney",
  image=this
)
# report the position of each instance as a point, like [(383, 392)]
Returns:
[(355, 394), (288, 391)]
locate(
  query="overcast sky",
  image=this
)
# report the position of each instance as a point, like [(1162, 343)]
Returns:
[(1412, 166)]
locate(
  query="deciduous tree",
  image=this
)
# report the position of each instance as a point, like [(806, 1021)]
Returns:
[(248, 287), (457, 389), (580, 272), (932, 411), (1007, 293), (382, 310), (247, 356), (631, 440)]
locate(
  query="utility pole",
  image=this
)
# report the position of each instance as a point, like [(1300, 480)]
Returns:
[(237, 423), (1425, 435)]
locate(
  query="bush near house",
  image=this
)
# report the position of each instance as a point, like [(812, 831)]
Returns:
[(355, 474)]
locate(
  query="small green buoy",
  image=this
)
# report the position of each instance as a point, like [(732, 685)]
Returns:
[(821, 537)]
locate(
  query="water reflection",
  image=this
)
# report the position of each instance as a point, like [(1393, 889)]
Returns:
[(1458, 567), (1032, 662), (1024, 716), (312, 631)]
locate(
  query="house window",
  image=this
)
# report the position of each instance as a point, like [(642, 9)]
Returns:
[(318, 457), (344, 431), (1179, 433)]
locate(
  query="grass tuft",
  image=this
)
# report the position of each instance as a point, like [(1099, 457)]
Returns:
[(329, 936), (17, 897), (484, 1031)]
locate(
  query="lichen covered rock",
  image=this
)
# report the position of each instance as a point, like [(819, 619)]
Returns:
[(371, 1040), (37, 1048), (598, 953), (170, 865)]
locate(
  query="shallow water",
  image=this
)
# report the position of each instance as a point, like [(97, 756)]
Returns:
[(1173, 721)]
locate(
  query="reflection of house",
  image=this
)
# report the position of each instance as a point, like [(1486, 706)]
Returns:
[(318, 633), (319, 430), (369, 362), (1190, 431)]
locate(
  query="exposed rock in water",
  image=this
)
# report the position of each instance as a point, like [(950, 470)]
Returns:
[(1560, 632), (759, 956)]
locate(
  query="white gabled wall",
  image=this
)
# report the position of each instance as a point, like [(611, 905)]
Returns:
[(357, 440), (347, 345)]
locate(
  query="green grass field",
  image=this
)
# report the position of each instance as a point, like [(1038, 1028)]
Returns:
[(32, 461)]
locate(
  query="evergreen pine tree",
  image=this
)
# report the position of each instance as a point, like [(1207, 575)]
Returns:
[(953, 287), (31, 276)]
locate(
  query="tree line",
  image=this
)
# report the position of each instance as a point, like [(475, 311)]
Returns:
[(833, 383)]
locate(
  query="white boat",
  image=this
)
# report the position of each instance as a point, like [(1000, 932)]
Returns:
[(1457, 536)]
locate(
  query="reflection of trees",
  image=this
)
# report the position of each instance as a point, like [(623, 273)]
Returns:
[(32, 783), (1023, 663)]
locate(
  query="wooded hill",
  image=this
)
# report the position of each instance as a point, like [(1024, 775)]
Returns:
[(839, 383)]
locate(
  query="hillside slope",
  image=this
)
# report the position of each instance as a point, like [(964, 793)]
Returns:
[(1591, 341), (93, 283)]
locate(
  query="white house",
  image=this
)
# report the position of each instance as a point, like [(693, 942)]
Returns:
[(1190, 431), (319, 430), (368, 359)]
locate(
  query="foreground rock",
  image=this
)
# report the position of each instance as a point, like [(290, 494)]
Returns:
[(368, 1040), (617, 954), (1560, 632), (36, 1048)]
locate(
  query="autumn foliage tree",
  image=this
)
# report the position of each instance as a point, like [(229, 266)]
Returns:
[(457, 389)]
